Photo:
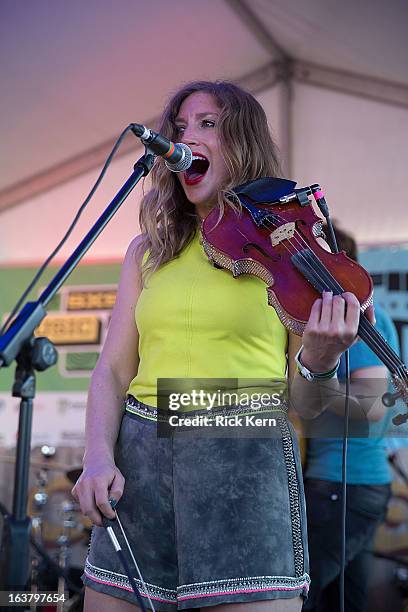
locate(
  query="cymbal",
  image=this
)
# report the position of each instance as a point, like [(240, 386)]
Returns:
[(74, 474), (48, 465)]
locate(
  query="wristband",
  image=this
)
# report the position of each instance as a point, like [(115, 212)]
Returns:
[(308, 375)]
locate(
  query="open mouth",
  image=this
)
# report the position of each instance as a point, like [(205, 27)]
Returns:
[(197, 170)]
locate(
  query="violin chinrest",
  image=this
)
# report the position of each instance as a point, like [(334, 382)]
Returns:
[(266, 189)]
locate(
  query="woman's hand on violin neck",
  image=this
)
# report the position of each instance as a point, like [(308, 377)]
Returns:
[(331, 329)]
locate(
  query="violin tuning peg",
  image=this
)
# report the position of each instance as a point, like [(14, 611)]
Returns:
[(400, 419), (389, 399)]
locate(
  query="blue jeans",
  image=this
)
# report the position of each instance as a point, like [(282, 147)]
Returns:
[(366, 507)]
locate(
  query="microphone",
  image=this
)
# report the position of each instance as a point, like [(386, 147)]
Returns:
[(178, 155)]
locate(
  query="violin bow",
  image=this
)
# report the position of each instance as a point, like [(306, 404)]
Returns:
[(108, 524)]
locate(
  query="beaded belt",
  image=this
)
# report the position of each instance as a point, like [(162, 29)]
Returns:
[(134, 406)]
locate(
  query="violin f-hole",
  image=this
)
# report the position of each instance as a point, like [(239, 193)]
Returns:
[(258, 248)]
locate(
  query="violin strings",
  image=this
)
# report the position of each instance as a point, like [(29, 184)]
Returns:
[(369, 333), (375, 339), (401, 370)]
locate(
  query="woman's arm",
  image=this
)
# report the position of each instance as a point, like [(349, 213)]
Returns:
[(331, 329), (116, 367)]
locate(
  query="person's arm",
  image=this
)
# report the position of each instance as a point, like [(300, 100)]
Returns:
[(372, 382), (116, 367), (331, 329)]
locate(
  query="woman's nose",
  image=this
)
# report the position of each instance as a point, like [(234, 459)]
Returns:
[(190, 136)]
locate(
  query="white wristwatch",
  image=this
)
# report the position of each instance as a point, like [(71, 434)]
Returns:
[(308, 375)]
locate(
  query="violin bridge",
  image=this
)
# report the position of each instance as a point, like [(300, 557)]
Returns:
[(283, 232)]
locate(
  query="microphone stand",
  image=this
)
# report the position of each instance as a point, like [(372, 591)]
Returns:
[(31, 354)]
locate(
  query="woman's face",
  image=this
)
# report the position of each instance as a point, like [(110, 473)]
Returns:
[(196, 126)]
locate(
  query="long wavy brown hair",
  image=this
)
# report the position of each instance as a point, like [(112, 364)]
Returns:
[(167, 219)]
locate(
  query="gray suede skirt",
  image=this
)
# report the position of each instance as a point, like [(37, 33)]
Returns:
[(210, 519)]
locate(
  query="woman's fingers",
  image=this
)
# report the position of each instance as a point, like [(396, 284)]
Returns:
[(88, 504), (331, 329), (352, 316), (326, 314), (117, 486), (114, 491), (93, 492), (338, 315), (314, 318)]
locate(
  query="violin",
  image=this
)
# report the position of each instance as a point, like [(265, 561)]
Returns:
[(273, 235)]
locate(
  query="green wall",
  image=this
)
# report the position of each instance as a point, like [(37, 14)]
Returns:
[(14, 280)]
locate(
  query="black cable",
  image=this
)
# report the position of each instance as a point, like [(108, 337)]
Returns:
[(344, 481), (69, 231), (323, 207)]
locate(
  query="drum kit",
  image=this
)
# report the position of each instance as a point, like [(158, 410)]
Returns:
[(59, 532), (389, 572)]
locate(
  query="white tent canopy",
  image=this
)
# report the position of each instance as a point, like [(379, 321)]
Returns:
[(331, 76)]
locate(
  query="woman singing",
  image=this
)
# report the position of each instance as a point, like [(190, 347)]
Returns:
[(215, 522)]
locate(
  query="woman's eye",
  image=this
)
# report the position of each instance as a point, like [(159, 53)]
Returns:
[(179, 129), (208, 123)]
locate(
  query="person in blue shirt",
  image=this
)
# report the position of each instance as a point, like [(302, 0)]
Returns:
[(368, 482)]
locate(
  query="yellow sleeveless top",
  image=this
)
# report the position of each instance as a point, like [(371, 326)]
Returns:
[(197, 321)]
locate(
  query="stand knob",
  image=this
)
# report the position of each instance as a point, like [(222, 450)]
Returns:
[(44, 354)]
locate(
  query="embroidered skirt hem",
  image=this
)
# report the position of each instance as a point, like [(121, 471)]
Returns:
[(210, 520)]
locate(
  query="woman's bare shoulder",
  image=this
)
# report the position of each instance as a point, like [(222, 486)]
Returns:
[(136, 251), (138, 245)]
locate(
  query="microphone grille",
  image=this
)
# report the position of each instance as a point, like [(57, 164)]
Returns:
[(185, 162)]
